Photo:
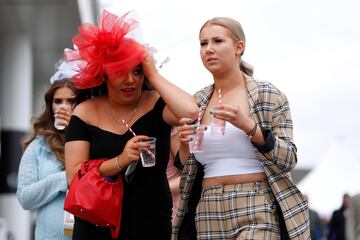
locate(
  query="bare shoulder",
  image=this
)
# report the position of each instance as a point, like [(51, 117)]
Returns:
[(88, 110)]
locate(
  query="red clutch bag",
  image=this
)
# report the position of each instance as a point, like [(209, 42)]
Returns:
[(95, 199)]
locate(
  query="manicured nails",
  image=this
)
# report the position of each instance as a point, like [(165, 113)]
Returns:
[(212, 111)]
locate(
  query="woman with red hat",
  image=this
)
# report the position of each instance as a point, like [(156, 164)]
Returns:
[(135, 103)]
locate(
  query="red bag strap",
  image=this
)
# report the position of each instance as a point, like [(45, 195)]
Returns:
[(87, 165), (115, 231)]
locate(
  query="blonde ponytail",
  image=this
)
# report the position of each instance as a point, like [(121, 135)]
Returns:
[(246, 68)]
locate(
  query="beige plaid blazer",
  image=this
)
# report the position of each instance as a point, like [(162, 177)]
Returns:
[(270, 109)]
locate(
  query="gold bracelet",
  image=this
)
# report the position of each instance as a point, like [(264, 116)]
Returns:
[(252, 132), (117, 161)]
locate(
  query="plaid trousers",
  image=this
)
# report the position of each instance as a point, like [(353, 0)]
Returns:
[(239, 211)]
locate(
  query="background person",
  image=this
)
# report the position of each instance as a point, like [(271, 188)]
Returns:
[(352, 224), (337, 220), (316, 228), (41, 178)]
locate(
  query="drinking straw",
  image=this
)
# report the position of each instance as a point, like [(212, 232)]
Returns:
[(127, 125), (219, 95), (199, 118), (133, 133), (132, 165), (198, 125)]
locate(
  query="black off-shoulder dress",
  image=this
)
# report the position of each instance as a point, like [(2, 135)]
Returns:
[(146, 212)]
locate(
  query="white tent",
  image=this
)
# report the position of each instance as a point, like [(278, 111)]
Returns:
[(338, 172)]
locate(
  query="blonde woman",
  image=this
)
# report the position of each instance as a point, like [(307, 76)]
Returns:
[(239, 186)]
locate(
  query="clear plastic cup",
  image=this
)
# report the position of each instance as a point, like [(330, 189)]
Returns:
[(217, 126), (196, 143), (60, 123), (147, 155)]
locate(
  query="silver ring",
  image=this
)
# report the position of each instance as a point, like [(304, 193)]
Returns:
[(228, 114)]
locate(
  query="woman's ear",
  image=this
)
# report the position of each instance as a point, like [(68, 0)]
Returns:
[(240, 47)]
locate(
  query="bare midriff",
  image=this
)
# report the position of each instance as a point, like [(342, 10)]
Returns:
[(233, 179)]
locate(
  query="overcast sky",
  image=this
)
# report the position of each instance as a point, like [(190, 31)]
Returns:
[(308, 49)]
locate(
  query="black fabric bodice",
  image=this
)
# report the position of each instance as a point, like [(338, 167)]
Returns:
[(147, 195)]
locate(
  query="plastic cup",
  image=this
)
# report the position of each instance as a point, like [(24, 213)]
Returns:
[(196, 143), (217, 126), (147, 155), (60, 123)]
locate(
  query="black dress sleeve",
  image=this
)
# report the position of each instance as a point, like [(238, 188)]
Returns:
[(77, 130), (159, 106), (177, 162)]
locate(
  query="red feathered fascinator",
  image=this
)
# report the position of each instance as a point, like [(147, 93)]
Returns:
[(104, 50)]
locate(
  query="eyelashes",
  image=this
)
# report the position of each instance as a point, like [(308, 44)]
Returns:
[(59, 101), (217, 40)]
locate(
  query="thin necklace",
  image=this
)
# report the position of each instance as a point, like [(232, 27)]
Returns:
[(113, 117)]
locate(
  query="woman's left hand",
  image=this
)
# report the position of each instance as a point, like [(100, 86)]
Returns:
[(234, 114), (185, 129)]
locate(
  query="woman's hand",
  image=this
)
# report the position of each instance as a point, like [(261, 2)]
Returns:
[(63, 113), (131, 151), (149, 66), (234, 114), (184, 131)]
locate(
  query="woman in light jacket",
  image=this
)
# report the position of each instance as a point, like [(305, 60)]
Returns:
[(42, 182)]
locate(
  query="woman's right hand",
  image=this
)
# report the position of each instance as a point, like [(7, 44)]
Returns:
[(131, 151), (64, 113)]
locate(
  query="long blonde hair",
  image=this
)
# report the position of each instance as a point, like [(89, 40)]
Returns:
[(238, 34)]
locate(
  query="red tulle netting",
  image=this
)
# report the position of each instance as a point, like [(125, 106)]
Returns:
[(104, 50)]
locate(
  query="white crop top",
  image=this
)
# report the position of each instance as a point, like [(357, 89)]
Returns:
[(230, 154)]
